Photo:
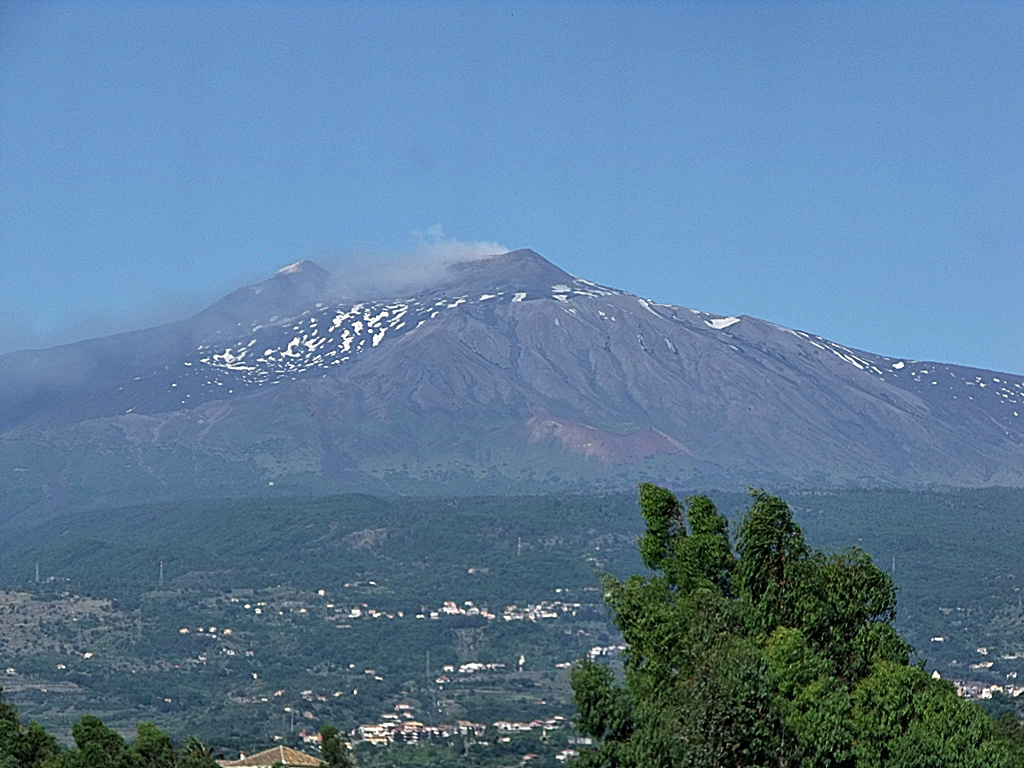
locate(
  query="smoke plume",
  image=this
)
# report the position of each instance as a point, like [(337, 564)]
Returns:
[(366, 274)]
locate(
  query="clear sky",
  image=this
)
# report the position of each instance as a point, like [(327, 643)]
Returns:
[(855, 170)]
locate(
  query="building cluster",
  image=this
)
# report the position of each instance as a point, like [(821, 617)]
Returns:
[(989, 663), (542, 610), (548, 724), (605, 650), (970, 690), (209, 631), (470, 668), (401, 725), (545, 609), (532, 612)]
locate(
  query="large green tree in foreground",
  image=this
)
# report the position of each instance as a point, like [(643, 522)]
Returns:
[(769, 655)]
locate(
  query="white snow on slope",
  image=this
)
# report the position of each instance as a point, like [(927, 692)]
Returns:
[(322, 338), (721, 323)]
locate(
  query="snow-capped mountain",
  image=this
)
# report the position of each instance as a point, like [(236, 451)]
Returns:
[(508, 374)]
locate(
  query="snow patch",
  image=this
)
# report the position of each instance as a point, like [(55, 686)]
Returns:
[(721, 323), (647, 306), (784, 329)]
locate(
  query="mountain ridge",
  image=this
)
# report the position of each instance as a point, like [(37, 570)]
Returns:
[(507, 372)]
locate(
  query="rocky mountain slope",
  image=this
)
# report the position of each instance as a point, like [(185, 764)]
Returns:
[(510, 374)]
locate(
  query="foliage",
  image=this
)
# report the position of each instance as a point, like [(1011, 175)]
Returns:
[(195, 754), (334, 749), (22, 747), (774, 655), (96, 746)]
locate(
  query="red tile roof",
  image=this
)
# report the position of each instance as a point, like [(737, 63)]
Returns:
[(268, 757)]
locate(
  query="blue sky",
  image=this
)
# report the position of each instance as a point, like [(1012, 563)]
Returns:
[(851, 169)]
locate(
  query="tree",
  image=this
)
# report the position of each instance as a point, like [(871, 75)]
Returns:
[(778, 655), (154, 747), (770, 547), (196, 754), (96, 746), (22, 747), (334, 750)]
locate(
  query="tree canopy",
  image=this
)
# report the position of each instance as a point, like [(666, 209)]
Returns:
[(333, 749), (767, 653), (96, 746)]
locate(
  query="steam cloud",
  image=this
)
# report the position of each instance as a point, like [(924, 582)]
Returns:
[(374, 275), (434, 245)]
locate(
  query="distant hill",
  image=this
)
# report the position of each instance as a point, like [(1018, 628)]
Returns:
[(508, 375)]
